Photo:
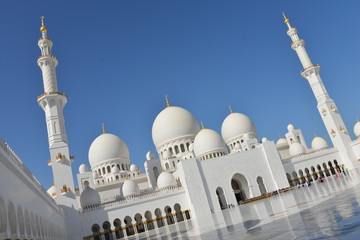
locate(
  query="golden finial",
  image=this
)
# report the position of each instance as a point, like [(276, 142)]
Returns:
[(202, 125), (286, 20), (103, 128), (42, 28), (167, 101), (357, 119), (230, 108)]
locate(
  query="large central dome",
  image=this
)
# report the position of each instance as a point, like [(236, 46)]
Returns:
[(108, 146), (172, 123)]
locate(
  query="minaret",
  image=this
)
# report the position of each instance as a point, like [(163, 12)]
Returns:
[(326, 106), (52, 102)]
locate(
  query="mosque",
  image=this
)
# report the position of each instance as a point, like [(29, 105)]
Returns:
[(194, 173)]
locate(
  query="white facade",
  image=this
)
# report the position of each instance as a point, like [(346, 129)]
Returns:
[(198, 171)]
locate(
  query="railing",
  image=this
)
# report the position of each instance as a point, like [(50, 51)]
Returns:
[(143, 195), (143, 225), (49, 93)]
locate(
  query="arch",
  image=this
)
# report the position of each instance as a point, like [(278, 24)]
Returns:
[(302, 177), (314, 173), (21, 222), (308, 175), (86, 184), (327, 173), (241, 187), (178, 213), (128, 226), (296, 178), (95, 228), (261, 185), (182, 147), (320, 170), (27, 224), (107, 230), (12, 220), (108, 168), (3, 217), (118, 229), (159, 220), (149, 220), (337, 166), (167, 166), (176, 149), (289, 179), (139, 224), (33, 225), (169, 216), (332, 170), (221, 198)]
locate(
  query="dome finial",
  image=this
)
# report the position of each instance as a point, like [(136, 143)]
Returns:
[(103, 128), (202, 125), (286, 20), (167, 100), (43, 29), (230, 108)]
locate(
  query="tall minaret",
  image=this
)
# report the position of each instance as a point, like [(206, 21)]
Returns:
[(326, 106), (52, 102)]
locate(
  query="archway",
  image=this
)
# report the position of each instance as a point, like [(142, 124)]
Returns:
[(139, 224), (118, 229), (156, 173), (326, 170), (314, 173), (241, 187), (107, 230), (149, 221), (261, 185), (128, 224), (308, 175), (337, 166), (320, 171), (95, 230), (332, 170), (291, 183), (296, 178), (169, 216), (179, 215), (12, 220), (159, 220), (221, 198), (302, 177)]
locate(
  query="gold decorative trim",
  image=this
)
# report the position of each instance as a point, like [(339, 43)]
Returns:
[(297, 41), (51, 93)]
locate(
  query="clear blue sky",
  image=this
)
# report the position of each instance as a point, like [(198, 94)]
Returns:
[(117, 60)]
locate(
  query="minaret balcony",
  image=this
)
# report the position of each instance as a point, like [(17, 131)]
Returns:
[(332, 108), (342, 129)]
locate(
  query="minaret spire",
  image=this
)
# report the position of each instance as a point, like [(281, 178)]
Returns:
[(43, 29), (326, 106), (167, 101)]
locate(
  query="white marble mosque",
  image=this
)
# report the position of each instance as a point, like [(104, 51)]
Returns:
[(195, 172)]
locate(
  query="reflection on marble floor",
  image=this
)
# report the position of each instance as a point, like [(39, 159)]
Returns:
[(328, 210)]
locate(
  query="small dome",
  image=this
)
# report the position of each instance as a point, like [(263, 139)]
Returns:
[(115, 169), (235, 125), (282, 143), (264, 139), (83, 168), (134, 168), (150, 155), (318, 143), (208, 141), (290, 127), (108, 146), (173, 123), (357, 129), (51, 191), (166, 180), (130, 189), (296, 149), (89, 197)]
